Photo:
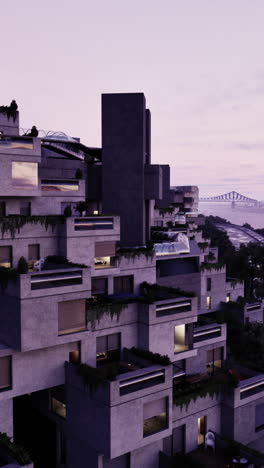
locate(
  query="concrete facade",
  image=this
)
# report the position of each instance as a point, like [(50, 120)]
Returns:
[(44, 313)]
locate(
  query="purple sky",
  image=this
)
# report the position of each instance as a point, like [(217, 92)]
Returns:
[(199, 63)]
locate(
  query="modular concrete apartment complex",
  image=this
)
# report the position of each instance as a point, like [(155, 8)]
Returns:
[(99, 321)]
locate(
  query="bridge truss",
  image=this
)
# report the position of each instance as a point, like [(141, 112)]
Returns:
[(230, 197)]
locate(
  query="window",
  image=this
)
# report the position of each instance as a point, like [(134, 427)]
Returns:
[(24, 175), (228, 297), (208, 302), (201, 430), (214, 359), (71, 316), (259, 417), (99, 286), (181, 338), (59, 185), (6, 256), (2, 208), (75, 354), (25, 208), (124, 284), (57, 401), (155, 416), (104, 251), (5, 372), (208, 284), (33, 252), (108, 348)]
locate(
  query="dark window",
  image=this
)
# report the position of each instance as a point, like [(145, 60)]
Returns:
[(6, 256), (2, 208), (108, 348), (25, 208), (99, 286), (33, 252), (5, 372), (71, 316), (214, 359), (155, 416), (124, 284), (208, 284)]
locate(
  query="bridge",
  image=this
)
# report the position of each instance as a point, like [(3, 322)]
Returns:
[(233, 197)]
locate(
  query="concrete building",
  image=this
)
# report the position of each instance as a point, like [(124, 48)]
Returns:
[(100, 291)]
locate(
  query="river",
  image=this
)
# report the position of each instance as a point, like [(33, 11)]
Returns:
[(238, 215)]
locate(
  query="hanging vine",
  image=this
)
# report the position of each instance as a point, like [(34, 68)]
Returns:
[(13, 223), (97, 308)]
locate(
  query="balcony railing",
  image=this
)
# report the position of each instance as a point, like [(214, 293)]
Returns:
[(206, 333), (252, 307), (252, 386), (14, 142), (93, 223), (55, 279), (141, 381), (59, 185), (173, 307)]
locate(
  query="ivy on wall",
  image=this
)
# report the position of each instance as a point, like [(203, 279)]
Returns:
[(13, 223)]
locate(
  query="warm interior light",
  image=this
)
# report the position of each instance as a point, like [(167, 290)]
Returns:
[(96, 212)]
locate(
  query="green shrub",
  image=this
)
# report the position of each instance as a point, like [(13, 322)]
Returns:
[(22, 266)]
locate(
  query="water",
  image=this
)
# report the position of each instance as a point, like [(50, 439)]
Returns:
[(238, 215)]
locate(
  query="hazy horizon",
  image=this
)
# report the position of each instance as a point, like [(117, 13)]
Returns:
[(199, 64)]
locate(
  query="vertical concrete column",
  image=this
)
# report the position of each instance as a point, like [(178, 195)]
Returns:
[(6, 417)]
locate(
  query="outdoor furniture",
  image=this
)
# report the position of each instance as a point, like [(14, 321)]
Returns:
[(209, 440)]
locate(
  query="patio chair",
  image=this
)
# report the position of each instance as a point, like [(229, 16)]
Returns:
[(209, 440), (38, 265)]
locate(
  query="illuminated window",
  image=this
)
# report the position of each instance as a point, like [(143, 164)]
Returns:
[(180, 338), (214, 359), (228, 297), (33, 252), (6, 256), (24, 175), (208, 302), (104, 253)]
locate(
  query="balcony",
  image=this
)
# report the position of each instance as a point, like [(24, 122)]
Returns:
[(94, 226), (63, 187), (119, 394), (251, 387), (65, 277), (207, 333)]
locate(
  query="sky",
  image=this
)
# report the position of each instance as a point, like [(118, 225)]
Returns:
[(198, 62)]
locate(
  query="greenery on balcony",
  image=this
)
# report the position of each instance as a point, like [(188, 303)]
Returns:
[(203, 245), (155, 358), (154, 292), (112, 306), (10, 111), (190, 390), (95, 377), (14, 223), (136, 252), (53, 262), (13, 450), (212, 266)]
